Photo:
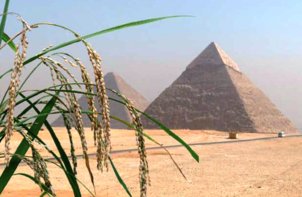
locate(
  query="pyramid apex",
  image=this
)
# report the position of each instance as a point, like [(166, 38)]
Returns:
[(214, 54), (213, 43), (111, 74)]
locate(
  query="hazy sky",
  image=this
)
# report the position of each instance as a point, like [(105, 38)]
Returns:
[(263, 36)]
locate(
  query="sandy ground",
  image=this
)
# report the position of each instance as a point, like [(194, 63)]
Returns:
[(256, 168)]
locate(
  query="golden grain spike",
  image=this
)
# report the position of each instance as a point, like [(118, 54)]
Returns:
[(13, 88)]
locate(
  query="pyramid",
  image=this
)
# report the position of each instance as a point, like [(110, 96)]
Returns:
[(212, 93), (114, 81)]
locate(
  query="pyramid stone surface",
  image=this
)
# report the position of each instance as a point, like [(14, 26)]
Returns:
[(114, 81), (213, 94)]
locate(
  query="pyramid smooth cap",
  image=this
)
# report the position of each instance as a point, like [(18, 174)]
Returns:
[(112, 74), (213, 54)]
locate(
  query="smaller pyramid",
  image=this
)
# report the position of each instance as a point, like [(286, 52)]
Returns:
[(117, 83)]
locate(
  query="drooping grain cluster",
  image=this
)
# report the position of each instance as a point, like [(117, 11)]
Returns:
[(39, 167), (103, 136), (40, 170), (140, 141), (37, 164), (68, 125), (13, 88), (90, 99), (56, 65), (74, 110), (72, 113)]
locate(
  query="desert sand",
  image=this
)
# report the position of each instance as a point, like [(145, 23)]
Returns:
[(255, 168)]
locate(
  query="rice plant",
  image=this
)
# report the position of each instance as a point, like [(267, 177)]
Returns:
[(62, 98)]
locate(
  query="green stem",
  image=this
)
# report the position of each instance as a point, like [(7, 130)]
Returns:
[(3, 20)]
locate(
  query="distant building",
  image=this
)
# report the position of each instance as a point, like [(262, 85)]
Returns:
[(212, 93)]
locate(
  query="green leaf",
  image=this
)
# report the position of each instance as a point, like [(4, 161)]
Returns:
[(5, 73), (119, 178), (2, 134), (9, 42), (24, 146), (70, 175), (116, 28), (3, 107), (129, 125), (3, 20)]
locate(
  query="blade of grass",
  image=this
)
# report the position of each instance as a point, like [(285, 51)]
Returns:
[(119, 27), (119, 178), (5, 73), (2, 134), (3, 20), (10, 43)]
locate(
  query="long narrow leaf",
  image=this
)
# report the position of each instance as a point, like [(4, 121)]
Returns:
[(123, 26), (5, 73), (3, 20), (10, 43), (119, 178)]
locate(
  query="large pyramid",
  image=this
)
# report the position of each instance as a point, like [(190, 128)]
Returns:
[(114, 81), (212, 93)]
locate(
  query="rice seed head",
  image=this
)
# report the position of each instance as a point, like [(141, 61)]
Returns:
[(143, 167), (38, 164), (79, 127), (57, 65), (101, 151), (46, 48), (90, 100), (60, 77), (144, 177), (79, 124), (69, 62), (13, 88), (68, 125), (52, 76), (40, 169), (103, 101)]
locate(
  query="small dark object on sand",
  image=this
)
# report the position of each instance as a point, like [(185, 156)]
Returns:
[(232, 135), (281, 134)]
